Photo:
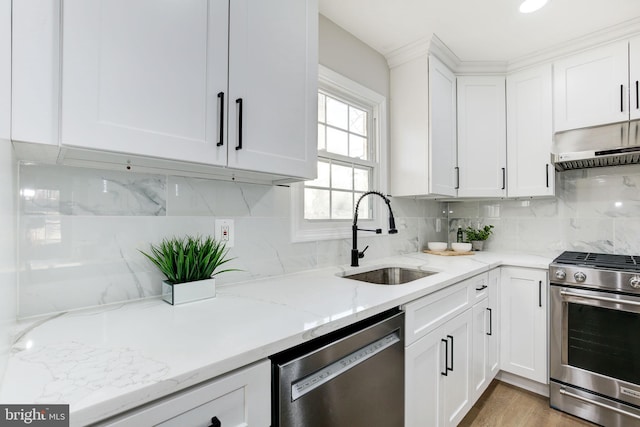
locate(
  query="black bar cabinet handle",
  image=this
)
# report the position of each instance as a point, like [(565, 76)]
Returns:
[(547, 166), (221, 135), (446, 356), (490, 322), (482, 288), (504, 178), (637, 97), (540, 293), (457, 177), (621, 98), (239, 103), (451, 368)]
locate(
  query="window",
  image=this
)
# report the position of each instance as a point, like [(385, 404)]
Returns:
[(350, 149)]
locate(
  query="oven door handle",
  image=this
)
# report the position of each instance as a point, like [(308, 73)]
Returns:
[(600, 404), (598, 298)]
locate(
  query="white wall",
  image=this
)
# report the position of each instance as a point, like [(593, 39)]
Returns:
[(347, 55)]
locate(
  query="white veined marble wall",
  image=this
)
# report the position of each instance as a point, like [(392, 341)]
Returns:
[(595, 210), (8, 284), (81, 231)]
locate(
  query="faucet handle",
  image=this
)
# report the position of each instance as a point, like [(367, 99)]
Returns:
[(361, 254)]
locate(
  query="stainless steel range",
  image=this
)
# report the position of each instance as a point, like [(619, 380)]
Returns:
[(594, 361)]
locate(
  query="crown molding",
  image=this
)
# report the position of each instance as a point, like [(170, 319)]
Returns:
[(603, 36), (435, 46)]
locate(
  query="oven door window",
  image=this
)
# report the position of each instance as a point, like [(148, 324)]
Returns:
[(604, 340)]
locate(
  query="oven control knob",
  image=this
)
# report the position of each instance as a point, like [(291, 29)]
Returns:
[(634, 282), (580, 276), (561, 274)]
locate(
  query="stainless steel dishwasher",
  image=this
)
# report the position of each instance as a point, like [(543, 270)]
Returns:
[(353, 377)]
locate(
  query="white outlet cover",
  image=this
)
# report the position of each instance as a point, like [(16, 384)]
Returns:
[(221, 226)]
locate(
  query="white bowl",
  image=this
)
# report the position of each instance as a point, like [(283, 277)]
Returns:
[(461, 247), (437, 246)]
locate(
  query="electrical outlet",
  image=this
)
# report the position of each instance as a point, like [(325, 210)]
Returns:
[(225, 232)]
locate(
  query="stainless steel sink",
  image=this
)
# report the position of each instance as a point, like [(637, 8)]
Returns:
[(389, 275)]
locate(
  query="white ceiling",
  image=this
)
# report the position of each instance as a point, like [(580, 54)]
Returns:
[(476, 30)]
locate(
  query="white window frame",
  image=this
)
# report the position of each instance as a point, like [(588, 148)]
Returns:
[(303, 230)]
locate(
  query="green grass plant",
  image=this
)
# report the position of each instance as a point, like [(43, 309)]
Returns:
[(189, 259)]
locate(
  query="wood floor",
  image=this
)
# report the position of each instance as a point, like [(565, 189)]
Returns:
[(504, 405)]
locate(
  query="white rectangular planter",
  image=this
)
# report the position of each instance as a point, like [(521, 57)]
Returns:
[(189, 291)]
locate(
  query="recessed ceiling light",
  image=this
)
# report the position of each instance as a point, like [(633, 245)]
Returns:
[(529, 6)]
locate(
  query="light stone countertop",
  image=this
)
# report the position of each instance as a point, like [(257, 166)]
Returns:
[(103, 361)]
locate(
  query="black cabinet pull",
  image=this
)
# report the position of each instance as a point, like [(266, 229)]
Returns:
[(239, 103), (621, 98), (215, 422), (540, 293), (490, 323), (637, 97), (547, 166), (504, 178), (446, 356), (221, 134), (482, 288), (451, 368), (457, 177)]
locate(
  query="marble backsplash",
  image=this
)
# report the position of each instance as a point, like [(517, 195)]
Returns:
[(8, 282), (595, 210), (80, 232)]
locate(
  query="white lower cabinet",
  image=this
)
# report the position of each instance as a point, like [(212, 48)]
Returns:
[(240, 398), (486, 340), (523, 324), (450, 358), (437, 373)]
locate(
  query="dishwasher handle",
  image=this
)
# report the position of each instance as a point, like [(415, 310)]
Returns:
[(304, 385)]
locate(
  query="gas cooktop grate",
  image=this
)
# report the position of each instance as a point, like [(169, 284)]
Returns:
[(595, 260)]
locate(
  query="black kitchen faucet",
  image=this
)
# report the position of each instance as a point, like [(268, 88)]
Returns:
[(355, 253)]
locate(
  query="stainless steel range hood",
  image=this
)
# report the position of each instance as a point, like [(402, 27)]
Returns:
[(608, 145)]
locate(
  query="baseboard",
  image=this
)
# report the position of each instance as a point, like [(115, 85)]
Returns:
[(524, 383)]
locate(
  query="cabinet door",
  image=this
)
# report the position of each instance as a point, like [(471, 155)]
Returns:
[(523, 314), (591, 88), (479, 369), (143, 77), (5, 69), (530, 133), (482, 147), (424, 373), (456, 392), (634, 78), (493, 334), (442, 126), (273, 74), (35, 64)]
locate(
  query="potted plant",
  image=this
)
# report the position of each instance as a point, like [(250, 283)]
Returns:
[(477, 236), (189, 264)]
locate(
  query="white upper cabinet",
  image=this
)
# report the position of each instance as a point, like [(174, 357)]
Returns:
[(442, 126), (273, 79), (634, 78), (482, 153), (423, 129), (203, 83), (591, 88), (5, 69), (530, 133), (142, 77), (35, 65)]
